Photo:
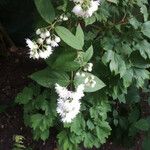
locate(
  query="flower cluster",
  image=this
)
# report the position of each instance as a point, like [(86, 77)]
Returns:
[(43, 46), (85, 8), (88, 67), (89, 81), (63, 17), (68, 103)]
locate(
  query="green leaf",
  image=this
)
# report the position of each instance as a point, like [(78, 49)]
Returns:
[(44, 135), (80, 80), (64, 141), (66, 61), (144, 12), (90, 125), (48, 77), (138, 61), (144, 48), (140, 76), (69, 38), (142, 124), (146, 143), (89, 20), (80, 34), (116, 62), (46, 10), (146, 29), (134, 22), (36, 119), (88, 140), (25, 96), (88, 54)]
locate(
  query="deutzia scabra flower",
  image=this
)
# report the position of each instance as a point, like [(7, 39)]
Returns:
[(68, 103), (85, 8), (88, 67), (89, 81), (43, 46)]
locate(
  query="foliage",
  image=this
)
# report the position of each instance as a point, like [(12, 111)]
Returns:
[(18, 143), (116, 39)]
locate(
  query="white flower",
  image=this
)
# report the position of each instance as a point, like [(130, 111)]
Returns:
[(83, 74), (47, 34), (42, 35), (88, 67), (78, 10), (48, 41), (90, 8), (86, 80), (40, 41), (78, 73), (94, 5), (68, 103), (34, 54), (32, 45), (78, 1), (38, 31), (54, 44), (65, 18), (57, 39), (93, 83)]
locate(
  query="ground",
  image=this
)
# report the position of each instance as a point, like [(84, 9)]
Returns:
[(14, 70)]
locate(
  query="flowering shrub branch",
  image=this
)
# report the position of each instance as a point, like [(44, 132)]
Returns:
[(90, 66)]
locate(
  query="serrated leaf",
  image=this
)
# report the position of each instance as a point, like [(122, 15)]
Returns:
[(80, 80), (25, 96), (142, 124), (116, 62), (48, 77), (144, 48), (144, 12), (36, 120), (90, 125), (146, 143), (89, 20), (44, 135), (146, 29), (46, 10), (69, 38)]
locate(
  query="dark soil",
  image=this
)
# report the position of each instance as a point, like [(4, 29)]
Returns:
[(14, 70)]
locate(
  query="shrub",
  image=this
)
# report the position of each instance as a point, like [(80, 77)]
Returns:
[(97, 55)]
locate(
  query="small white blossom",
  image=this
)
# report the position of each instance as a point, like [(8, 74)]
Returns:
[(85, 12), (78, 73), (78, 10), (38, 31), (68, 103), (32, 45), (48, 41), (47, 34), (65, 18), (57, 39), (93, 83), (54, 44), (88, 67), (83, 74), (40, 41), (86, 80), (42, 35)]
